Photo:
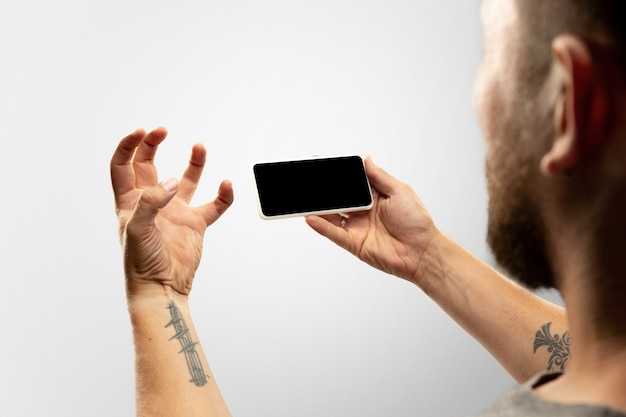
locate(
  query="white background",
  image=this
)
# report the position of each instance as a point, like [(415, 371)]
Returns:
[(291, 324)]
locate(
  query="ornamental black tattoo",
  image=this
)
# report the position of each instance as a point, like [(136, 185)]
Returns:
[(557, 345), (194, 364)]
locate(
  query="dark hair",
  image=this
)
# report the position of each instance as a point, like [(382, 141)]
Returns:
[(599, 22)]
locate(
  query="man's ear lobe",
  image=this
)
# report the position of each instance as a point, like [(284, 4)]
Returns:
[(581, 110)]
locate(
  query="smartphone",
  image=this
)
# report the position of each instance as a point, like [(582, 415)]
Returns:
[(311, 186)]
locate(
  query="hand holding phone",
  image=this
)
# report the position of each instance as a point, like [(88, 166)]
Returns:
[(311, 186)]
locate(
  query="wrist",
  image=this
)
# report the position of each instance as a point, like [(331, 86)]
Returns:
[(430, 267), (141, 295)]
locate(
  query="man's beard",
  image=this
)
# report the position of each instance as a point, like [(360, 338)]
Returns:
[(516, 232)]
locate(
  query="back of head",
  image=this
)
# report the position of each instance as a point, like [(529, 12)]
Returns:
[(526, 117), (582, 205), (597, 22)]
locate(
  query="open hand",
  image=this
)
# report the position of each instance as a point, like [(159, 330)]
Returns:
[(160, 233), (392, 236)]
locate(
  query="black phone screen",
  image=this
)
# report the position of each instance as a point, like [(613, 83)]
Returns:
[(312, 185)]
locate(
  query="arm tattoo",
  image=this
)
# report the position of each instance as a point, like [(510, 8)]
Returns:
[(558, 347), (194, 364)]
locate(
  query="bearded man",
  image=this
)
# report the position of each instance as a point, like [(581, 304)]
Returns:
[(551, 99)]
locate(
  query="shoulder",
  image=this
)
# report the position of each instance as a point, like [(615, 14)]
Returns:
[(522, 402)]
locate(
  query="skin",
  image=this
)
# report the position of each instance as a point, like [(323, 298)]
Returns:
[(555, 168), (572, 164), (398, 236), (161, 237), (516, 230), (574, 173)]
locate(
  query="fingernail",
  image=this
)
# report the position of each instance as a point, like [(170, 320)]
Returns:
[(169, 185)]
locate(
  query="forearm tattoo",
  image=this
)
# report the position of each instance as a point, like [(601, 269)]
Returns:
[(194, 364), (558, 347)]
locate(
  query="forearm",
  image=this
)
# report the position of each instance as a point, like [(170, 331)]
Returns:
[(173, 377), (504, 317)]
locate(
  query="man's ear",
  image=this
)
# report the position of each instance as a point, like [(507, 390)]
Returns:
[(581, 110)]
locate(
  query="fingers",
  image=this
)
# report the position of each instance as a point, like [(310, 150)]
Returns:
[(143, 162), (191, 177), (132, 162), (380, 179), (330, 227), (122, 172), (150, 202), (132, 168), (213, 210)]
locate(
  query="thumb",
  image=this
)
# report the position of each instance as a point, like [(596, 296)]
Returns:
[(150, 202), (380, 179)]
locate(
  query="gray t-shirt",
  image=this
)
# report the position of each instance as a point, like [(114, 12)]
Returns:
[(522, 402)]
